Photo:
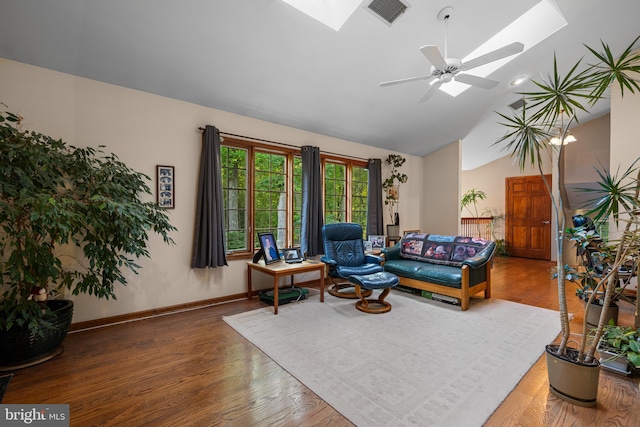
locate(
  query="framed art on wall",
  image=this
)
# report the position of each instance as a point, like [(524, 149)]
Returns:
[(165, 192)]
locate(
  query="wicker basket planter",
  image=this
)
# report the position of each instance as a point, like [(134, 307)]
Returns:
[(21, 348)]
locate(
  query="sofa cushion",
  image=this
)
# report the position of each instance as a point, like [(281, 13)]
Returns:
[(403, 267), (434, 273), (439, 249)]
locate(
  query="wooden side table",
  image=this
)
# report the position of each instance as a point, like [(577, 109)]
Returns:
[(392, 240), (281, 268)]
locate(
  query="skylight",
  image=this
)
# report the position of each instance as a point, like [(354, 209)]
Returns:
[(535, 25), (332, 13)]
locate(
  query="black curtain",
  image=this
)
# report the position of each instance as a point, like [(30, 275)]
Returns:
[(375, 221), (208, 241), (312, 218)]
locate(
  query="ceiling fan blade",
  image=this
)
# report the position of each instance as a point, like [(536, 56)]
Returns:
[(434, 56), (476, 81), (407, 80), (431, 91), (503, 52)]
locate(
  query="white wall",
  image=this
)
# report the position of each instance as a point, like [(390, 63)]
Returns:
[(625, 133), (441, 193), (491, 179), (146, 130), (590, 150)]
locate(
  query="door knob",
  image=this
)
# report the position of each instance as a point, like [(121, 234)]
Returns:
[(545, 222)]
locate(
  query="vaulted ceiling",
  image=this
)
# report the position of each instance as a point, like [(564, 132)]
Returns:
[(265, 59)]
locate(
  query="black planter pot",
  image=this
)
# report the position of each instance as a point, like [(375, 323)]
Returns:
[(20, 348), (571, 381)]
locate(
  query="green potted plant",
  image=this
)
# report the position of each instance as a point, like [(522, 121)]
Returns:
[(70, 218), (573, 372), (595, 258), (391, 187), (619, 348), (470, 199), (587, 282)]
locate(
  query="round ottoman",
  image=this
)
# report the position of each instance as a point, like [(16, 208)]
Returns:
[(369, 282)]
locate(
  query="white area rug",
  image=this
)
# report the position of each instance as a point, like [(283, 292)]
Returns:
[(421, 364)]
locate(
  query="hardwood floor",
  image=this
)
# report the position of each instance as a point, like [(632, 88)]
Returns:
[(191, 369)]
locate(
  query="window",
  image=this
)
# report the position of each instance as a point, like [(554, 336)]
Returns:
[(234, 190), (262, 190), (297, 199), (346, 186), (359, 194), (335, 198), (270, 208)]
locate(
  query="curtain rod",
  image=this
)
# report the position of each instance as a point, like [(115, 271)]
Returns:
[(282, 144)]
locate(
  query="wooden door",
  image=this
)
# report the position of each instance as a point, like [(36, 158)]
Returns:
[(528, 217)]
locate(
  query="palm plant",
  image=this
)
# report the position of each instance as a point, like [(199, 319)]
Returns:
[(471, 198), (527, 137)]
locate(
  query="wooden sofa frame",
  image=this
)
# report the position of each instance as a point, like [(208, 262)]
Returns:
[(464, 293)]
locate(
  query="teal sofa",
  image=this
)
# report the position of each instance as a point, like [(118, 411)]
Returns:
[(455, 266)]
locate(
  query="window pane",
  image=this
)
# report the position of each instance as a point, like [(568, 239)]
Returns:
[(270, 196), (359, 193), (297, 199), (234, 186), (335, 196)]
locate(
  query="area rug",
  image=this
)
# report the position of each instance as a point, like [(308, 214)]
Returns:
[(424, 363)]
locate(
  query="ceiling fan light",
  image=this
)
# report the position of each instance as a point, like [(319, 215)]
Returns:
[(568, 139), (518, 80)]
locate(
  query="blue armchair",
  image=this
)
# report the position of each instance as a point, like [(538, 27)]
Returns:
[(344, 255)]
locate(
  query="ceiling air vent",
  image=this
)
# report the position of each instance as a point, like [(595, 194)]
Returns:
[(387, 10), (517, 105)]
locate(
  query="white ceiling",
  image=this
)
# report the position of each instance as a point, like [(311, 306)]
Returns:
[(265, 59)]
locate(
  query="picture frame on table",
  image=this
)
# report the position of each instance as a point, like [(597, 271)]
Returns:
[(292, 255), (269, 248), (377, 242), (166, 186)]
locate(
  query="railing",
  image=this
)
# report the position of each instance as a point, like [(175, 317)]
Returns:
[(476, 227)]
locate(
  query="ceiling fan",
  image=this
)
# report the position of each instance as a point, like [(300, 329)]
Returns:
[(444, 69)]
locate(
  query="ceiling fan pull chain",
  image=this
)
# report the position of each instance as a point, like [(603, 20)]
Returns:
[(446, 36)]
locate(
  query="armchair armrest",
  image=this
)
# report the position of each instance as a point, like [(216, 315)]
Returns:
[(374, 259), (330, 262)]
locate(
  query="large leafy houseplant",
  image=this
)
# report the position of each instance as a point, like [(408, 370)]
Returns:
[(391, 185), (56, 196), (560, 98)]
